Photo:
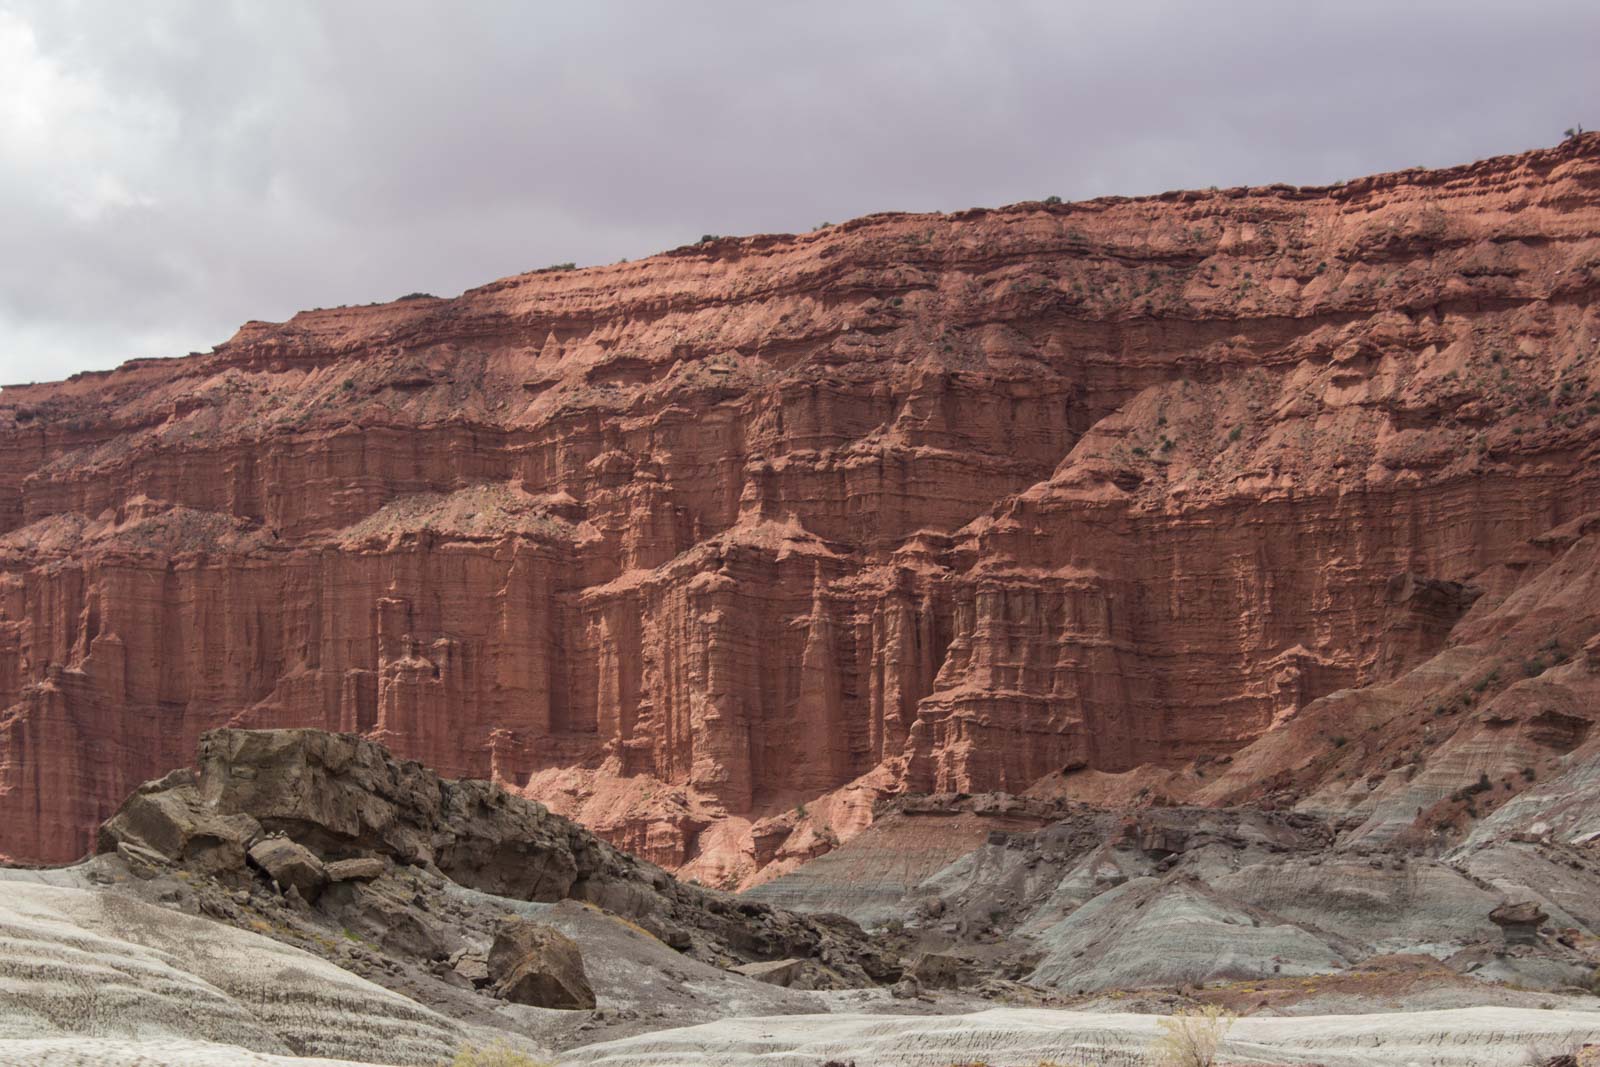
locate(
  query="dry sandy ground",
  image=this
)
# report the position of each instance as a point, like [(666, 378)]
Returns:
[(96, 979), (1472, 1037), (97, 1052), (1469, 1037)]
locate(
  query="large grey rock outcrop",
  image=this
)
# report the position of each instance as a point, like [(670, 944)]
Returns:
[(343, 795)]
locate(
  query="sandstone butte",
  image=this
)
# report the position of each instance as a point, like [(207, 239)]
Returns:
[(715, 549)]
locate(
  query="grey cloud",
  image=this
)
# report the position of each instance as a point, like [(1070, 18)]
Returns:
[(168, 170)]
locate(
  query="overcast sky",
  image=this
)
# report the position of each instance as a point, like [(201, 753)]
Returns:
[(171, 169)]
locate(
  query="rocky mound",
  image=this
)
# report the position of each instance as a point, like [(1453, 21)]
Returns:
[(717, 548), (326, 818)]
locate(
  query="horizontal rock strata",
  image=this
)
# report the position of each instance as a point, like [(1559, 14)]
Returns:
[(920, 502)]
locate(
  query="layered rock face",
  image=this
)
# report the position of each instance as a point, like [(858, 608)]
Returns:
[(714, 549)]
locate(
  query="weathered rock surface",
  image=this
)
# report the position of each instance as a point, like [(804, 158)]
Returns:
[(1177, 897), (383, 869), (1520, 921), (921, 502), (772, 972), (167, 817), (935, 970), (290, 864), (312, 796), (360, 869), (530, 963), (1144, 933)]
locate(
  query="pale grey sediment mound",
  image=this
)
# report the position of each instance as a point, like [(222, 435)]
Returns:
[(1471, 1037), (1387, 903), (911, 839), (1146, 933), (1166, 896), (1564, 808), (81, 964), (106, 1052)]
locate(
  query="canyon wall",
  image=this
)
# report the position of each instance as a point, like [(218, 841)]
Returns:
[(913, 503)]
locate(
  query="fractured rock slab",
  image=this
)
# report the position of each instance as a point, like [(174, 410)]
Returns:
[(290, 864), (534, 964)]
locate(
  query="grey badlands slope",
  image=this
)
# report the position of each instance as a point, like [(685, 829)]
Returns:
[(94, 977), (305, 897), (84, 966), (1095, 900)]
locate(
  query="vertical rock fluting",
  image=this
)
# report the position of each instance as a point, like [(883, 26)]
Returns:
[(916, 502)]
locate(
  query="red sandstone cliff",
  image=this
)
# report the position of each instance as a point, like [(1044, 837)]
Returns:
[(918, 502)]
